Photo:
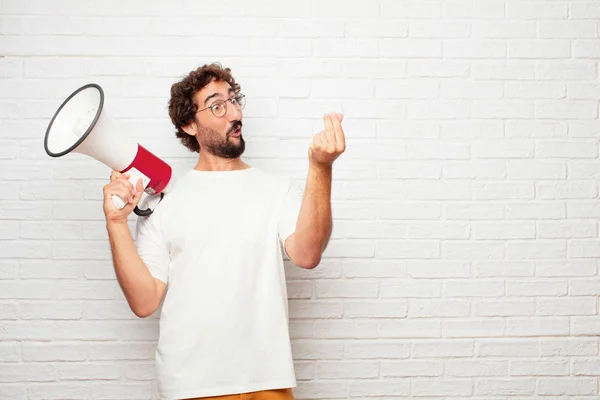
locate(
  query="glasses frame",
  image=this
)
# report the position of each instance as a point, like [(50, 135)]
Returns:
[(224, 103)]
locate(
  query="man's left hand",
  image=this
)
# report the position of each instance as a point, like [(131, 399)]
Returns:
[(328, 144)]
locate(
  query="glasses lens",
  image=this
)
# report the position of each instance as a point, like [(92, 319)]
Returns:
[(218, 108), (240, 101)]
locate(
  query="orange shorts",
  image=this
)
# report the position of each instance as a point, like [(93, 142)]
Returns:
[(274, 394)]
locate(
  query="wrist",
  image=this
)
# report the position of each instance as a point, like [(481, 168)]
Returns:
[(320, 168)]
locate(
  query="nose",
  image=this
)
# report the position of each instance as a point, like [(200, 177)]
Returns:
[(233, 113)]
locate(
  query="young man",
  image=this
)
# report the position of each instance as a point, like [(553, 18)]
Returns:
[(218, 240)]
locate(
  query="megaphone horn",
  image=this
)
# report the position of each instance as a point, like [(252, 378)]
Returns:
[(81, 125)]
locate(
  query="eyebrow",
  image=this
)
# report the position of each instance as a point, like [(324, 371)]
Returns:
[(216, 94)]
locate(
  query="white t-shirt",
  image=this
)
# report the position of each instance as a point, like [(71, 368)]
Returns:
[(217, 241)]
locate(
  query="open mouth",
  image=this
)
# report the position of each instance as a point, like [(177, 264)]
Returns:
[(236, 130)]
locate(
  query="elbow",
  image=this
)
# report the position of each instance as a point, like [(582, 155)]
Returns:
[(143, 312), (309, 262)]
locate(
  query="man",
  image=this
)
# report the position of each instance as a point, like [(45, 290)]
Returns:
[(218, 240)]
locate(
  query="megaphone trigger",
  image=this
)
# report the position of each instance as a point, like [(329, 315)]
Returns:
[(134, 177)]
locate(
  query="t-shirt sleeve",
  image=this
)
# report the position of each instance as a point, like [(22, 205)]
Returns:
[(152, 248), (290, 210)]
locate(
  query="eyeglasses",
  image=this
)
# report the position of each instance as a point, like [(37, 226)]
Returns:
[(219, 107)]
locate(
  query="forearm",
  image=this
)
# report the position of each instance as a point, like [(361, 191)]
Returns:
[(314, 224), (138, 285)]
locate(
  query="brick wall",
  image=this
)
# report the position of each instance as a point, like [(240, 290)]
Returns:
[(463, 262)]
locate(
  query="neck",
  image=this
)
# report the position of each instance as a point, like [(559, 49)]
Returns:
[(210, 162)]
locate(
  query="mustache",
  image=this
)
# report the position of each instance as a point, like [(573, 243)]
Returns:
[(234, 126)]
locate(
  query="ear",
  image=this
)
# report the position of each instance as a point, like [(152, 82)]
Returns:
[(191, 129)]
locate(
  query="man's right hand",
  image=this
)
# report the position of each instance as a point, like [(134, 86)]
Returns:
[(120, 186)]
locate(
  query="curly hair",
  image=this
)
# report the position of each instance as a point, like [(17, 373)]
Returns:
[(182, 109)]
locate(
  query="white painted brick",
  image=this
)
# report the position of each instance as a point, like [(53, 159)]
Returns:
[(438, 230), (409, 210), (472, 129), (574, 109), (49, 310), (505, 387), (77, 371), (474, 328), (410, 328), (504, 268), (567, 347), (539, 249), (376, 27), (474, 49), (584, 248), (567, 386), (583, 91), (121, 390), (536, 90), (536, 210), (401, 89), (107, 310), (568, 30), (410, 288), (504, 30), (585, 326), (473, 288), (536, 288), (507, 348), (438, 68), (503, 230), (300, 289), (370, 269), (536, 10), (471, 90), (539, 49), (411, 9), (438, 29), (138, 371), (407, 249), (437, 308), (543, 326), (345, 329), (59, 390), (411, 48), (446, 348), (569, 70), (445, 387), (439, 269), (536, 128), (367, 389), (27, 373), (318, 349), (473, 211), (567, 307), (584, 287), (481, 249), (347, 369), (375, 309), (46, 352), (476, 368), (404, 369), (504, 308), (346, 288), (586, 49), (570, 268), (587, 367), (386, 349), (13, 392)]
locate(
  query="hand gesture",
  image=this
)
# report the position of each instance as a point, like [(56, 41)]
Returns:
[(328, 144), (120, 186)]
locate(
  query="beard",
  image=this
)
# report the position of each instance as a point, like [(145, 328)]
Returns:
[(225, 147)]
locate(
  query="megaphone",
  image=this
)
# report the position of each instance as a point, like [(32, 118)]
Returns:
[(81, 125)]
